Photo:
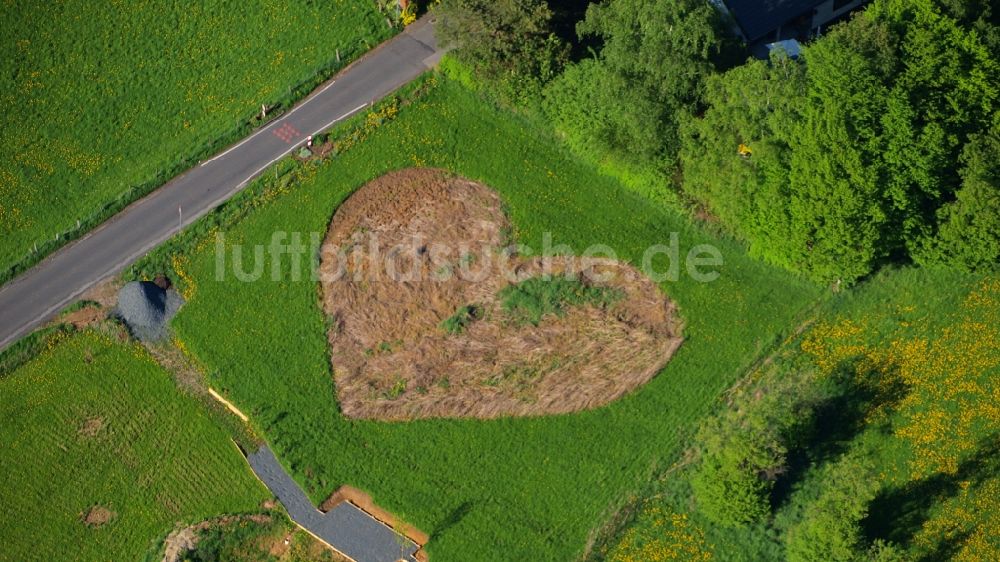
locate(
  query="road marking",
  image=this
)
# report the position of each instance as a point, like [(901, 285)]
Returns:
[(269, 125), (242, 142), (325, 88), (285, 153), (351, 112), (286, 133)]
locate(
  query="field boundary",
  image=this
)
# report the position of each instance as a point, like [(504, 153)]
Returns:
[(232, 407)]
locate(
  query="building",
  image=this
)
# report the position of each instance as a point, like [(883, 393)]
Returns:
[(767, 21)]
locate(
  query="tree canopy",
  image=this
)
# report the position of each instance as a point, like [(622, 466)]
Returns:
[(507, 42), (649, 71), (869, 149), (877, 145)]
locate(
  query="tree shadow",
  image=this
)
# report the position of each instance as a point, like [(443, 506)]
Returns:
[(898, 514), (566, 14), (834, 423), (946, 549), (453, 518)]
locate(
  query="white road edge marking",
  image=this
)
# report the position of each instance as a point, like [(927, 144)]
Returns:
[(269, 125), (351, 112), (51, 310), (285, 153)]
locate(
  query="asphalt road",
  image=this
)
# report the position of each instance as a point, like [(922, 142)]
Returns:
[(346, 527), (41, 292)]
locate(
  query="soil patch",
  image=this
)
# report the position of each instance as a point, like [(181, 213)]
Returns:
[(85, 316), (97, 516), (91, 426), (105, 292), (182, 541), (413, 269)]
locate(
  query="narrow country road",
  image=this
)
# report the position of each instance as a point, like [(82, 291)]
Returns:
[(39, 293)]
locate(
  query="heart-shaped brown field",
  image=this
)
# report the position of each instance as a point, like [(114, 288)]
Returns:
[(433, 315)]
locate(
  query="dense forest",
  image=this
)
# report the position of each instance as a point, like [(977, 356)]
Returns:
[(879, 144)]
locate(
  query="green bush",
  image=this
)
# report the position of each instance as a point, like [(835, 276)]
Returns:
[(730, 491), (830, 529), (882, 551), (530, 300), (745, 447), (627, 101), (968, 235), (510, 44), (463, 317)]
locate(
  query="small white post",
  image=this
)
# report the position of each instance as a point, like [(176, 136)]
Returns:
[(180, 217)]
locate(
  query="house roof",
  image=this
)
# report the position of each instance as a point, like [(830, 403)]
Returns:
[(758, 17)]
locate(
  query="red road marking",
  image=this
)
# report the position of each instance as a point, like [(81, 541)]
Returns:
[(286, 133)]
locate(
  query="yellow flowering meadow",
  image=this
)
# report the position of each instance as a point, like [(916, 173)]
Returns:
[(663, 536), (940, 388)]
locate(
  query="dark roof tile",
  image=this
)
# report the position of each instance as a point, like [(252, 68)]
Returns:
[(758, 17)]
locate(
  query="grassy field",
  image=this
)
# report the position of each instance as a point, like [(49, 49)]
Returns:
[(507, 489), (930, 332), (100, 98), (94, 422)]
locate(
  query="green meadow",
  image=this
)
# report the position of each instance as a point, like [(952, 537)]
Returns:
[(505, 489), (104, 102), (93, 426)]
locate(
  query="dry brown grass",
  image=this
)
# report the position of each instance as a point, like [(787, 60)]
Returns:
[(97, 516), (392, 359), (91, 426)]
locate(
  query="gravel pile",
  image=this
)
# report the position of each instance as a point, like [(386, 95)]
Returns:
[(146, 308)]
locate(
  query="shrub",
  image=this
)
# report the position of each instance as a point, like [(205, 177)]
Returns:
[(830, 530), (745, 447), (530, 300), (509, 43), (463, 317), (730, 492)]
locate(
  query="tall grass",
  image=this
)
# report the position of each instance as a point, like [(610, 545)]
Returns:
[(505, 489), (532, 299)]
